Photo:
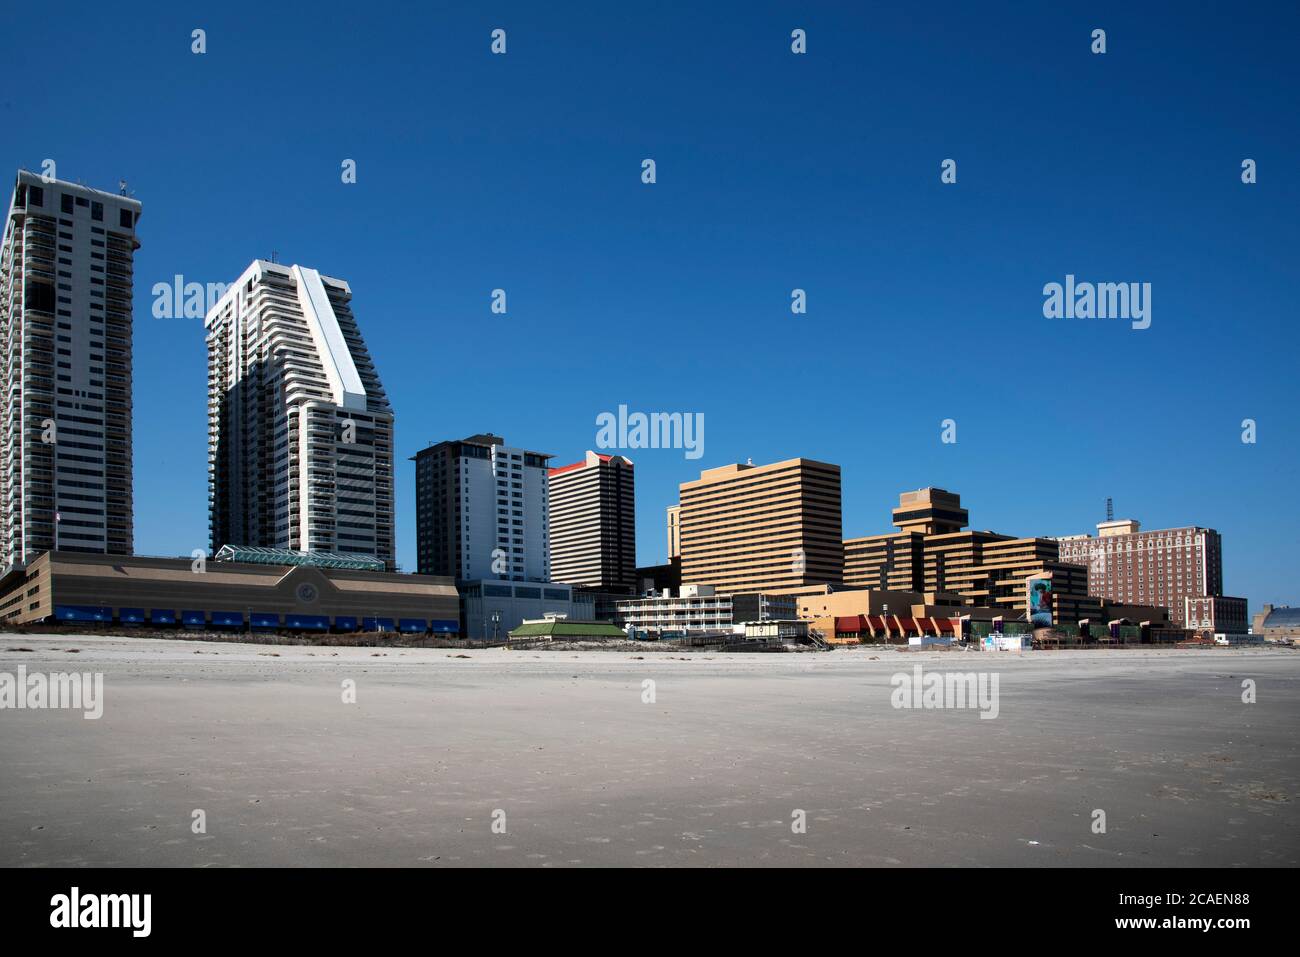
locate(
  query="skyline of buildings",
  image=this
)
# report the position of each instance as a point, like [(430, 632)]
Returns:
[(301, 457), (300, 431), (66, 294)]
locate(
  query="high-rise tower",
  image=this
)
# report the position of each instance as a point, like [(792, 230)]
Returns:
[(300, 432), (593, 523), (65, 370)]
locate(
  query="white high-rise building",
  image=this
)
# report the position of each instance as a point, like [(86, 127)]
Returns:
[(481, 511), (300, 432), (65, 370)]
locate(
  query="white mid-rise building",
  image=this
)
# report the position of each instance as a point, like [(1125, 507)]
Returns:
[(66, 280), (300, 432)]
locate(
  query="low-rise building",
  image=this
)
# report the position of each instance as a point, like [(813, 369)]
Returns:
[(556, 628), (1277, 622), (491, 608), (252, 588), (775, 630), (1215, 614), (698, 608)]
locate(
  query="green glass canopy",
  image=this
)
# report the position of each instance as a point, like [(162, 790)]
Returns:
[(261, 555)]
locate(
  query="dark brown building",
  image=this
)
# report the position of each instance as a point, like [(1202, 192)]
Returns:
[(1165, 567)]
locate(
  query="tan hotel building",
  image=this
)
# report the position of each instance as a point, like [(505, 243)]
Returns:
[(932, 552), (773, 528)]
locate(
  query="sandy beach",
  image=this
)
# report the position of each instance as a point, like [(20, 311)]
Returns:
[(564, 754)]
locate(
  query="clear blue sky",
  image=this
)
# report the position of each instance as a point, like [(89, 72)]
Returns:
[(775, 171)]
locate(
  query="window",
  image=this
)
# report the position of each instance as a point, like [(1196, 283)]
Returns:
[(97, 212), (125, 219), (67, 202), (35, 196)]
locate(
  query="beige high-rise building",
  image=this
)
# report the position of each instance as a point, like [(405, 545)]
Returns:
[(674, 531), (763, 528)]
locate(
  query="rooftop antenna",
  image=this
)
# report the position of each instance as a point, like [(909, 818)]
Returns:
[(275, 253), (121, 187), (1110, 509)]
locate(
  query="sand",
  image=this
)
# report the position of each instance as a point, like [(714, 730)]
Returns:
[(584, 773)]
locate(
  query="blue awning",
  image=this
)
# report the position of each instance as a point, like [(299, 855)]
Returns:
[(130, 615), (345, 622), (160, 616), (228, 619), (378, 624), (444, 626), (412, 624), (82, 613), (264, 620), (307, 622), (194, 618)]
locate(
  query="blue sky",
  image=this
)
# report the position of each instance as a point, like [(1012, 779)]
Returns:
[(775, 171)]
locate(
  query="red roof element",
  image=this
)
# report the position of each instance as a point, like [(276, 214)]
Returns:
[(580, 465)]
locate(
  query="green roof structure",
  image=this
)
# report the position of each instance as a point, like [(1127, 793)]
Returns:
[(562, 628), (260, 555)]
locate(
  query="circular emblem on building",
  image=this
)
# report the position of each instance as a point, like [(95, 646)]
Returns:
[(306, 593)]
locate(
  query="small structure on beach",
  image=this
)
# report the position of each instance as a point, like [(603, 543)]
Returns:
[(566, 629)]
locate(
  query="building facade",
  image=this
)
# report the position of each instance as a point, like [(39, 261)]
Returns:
[(482, 511), (1215, 614), (770, 528), (300, 431), (1279, 622), (933, 552), (592, 516), (673, 516), (66, 285), (1164, 567), (491, 609), (700, 608), (257, 589)]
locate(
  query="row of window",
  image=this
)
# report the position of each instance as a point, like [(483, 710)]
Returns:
[(34, 196)]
